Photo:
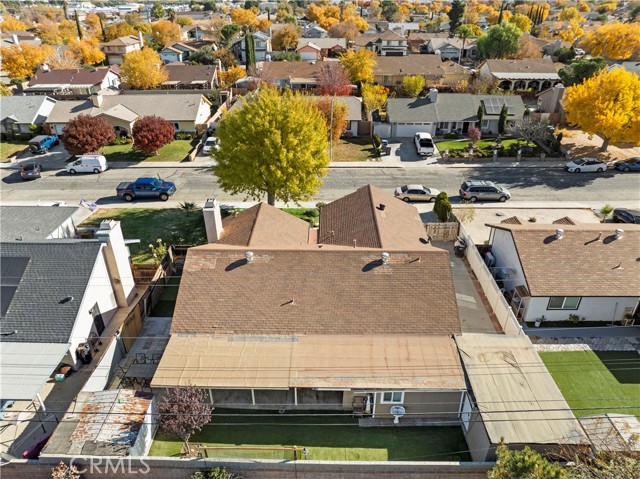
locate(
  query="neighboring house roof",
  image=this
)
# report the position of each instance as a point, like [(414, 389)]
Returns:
[(316, 290), (179, 47), (23, 109), (100, 423), (286, 70), (565, 220), (633, 67), (517, 398), (529, 68), (323, 43), (122, 41), (440, 43), (32, 223), (43, 274), (427, 65), (170, 106), (390, 35), (190, 74), (71, 77), (366, 39), (587, 261), (425, 36), (315, 361), (358, 220), (451, 107), (121, 112), (354, 106), (264, 225), (514, 220)]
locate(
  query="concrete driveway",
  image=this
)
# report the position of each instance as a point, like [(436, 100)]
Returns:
[(403, 151), (55, 159)]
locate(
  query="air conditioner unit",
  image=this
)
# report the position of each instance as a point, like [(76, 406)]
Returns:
[(489, 260)]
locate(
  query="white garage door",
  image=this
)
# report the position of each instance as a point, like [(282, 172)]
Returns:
[(407, 130)]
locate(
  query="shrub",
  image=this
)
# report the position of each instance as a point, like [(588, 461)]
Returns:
[(320, 205), (312, 213), (442, 207), (184, 136), (121, 141), (452, 135), (376, 141)]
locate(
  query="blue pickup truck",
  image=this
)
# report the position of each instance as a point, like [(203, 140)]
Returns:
[(146, 188), (42, 143)]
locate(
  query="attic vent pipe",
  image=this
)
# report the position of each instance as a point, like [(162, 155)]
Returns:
[(385, 257), (559, 233), (249, 256), (619, 233)]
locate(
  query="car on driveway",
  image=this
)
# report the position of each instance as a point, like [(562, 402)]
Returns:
[(42, 143), (623, 215), (30, 171), (210, 145), (483, 190), (632, 164), (416, 193), (586, 165)]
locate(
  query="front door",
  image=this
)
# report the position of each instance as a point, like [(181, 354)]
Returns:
[(98, 322)]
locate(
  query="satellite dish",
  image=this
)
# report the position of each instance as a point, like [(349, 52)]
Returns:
[(437, 52)]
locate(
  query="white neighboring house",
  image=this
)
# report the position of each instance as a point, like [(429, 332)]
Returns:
[(56, 295), (451, 48), (587, 270)]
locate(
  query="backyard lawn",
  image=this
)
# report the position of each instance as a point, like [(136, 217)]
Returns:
[(174, 151), (173, 225), (9, 148), (597, 379), (326, 436), (353, 149)]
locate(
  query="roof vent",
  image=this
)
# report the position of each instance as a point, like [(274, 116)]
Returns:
[(619, 233), (385, 257), (382, 206), (249, 256), (559, 233), (66, 300)]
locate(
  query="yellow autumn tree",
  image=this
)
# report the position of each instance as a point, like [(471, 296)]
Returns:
[(92, 22), (572, 33), (570, 13), (20, 61), (607, 104), (143, 69), (164, 31), (494, 15), (118, 30), (59, 59), (614, 41), (263, 25), (523, 22), (231, 76), (285, 38), (243, 18), (87, 51), (373, 96), (583, 6), (12, 24), (359, 65)]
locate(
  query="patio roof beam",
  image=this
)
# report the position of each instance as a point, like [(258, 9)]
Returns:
[(253, 396)]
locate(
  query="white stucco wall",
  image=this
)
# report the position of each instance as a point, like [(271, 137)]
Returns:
[(146, 432), (98, 291), (592, 309), (102, 373)]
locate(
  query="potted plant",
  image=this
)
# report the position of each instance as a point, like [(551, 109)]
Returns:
[(539, 321)]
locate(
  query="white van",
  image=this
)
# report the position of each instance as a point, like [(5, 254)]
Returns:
[(88, 164), (424, 144)]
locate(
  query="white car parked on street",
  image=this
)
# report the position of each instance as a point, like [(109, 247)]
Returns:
[(586, 165)]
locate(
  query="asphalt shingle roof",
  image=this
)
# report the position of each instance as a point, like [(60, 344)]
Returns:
[(587, 261), (56, 270), (71, 76), (23, 109), (32, 223)]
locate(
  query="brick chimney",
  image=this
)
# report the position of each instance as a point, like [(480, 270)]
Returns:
[(116, 257), (212, 220)]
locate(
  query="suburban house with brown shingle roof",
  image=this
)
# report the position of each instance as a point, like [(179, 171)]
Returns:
[(78, 81), (537, 74), (116, 49), (569, 272), (355, 315), (390, 71)]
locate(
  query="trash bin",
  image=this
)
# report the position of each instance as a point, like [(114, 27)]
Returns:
[(83, 351), (459, 251)]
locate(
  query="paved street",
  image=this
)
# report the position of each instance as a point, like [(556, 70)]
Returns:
[(532, 184)]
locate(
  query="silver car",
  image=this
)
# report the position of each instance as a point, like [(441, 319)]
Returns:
[(483, 190), (416, 193)]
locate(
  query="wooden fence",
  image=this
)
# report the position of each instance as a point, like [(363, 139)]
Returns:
[(442, 231)]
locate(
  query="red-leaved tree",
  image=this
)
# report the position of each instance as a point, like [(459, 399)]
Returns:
[(184, 411), (85, 134), (474, 135), (150, 133), (333, 80)]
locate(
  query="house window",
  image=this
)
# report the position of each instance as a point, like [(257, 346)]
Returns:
[(485, 123), (392, 397), (176, 126), (443, 125), (564, 302)]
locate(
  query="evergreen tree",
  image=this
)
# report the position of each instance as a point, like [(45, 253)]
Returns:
[(502, 121), (480, 115), (456, 15), (251, 51)]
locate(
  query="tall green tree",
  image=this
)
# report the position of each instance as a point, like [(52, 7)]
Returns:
[(500, 41), (525, 464), (250, 61), (157, 11), (389, 9), (480, 115), (275, 145), (456, 15), (467, 31), (581, 69), (502, 120)]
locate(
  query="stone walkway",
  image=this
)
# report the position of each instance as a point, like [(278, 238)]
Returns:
[(584, 344)]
